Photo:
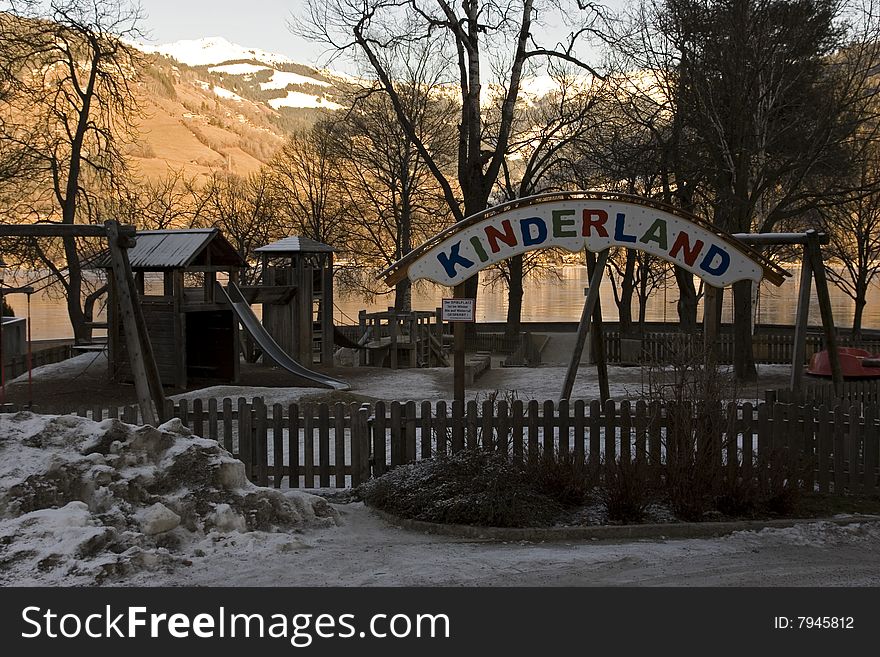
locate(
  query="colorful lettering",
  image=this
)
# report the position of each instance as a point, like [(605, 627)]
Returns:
[(619, 235), (561, 225), (478, 247), (723, 264), (526, 225), (657, 233), (454, 258), (683, 243), (493, 235), (595, 219)]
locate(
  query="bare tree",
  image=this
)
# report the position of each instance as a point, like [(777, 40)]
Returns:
[(71, 98), (394, 200), (545, 127), (484, 46), (309, 180), (854, 230), (773, 94), (246, 210)]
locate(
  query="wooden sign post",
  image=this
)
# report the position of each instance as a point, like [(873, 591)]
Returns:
[(458, 310)]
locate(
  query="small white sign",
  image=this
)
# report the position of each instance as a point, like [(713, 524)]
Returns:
[(459, 310)]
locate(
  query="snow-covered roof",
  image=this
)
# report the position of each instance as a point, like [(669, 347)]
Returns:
[(295, 244), (177, 249)]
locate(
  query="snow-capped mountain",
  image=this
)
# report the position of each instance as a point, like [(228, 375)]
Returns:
[(242, 73), (213, 50)]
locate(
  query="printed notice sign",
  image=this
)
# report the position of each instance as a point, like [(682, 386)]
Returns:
[(459, 310)]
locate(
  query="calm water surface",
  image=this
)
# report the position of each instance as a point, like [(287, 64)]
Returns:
[(546, 299)]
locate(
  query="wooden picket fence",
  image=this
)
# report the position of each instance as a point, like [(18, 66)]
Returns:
[(770, 348), (815, 392), (832, 449)]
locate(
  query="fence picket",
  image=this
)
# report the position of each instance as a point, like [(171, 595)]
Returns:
[(517, 430), (277, 444), (548, 442), (533, 430), (853, 448), (380, 441), (198, 419), (293, 451), (324, 445), (427, 430), (580, 421), (396, 424), (308, 446), (409, 414)]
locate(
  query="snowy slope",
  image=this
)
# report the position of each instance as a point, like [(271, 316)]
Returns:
[(213, 50)]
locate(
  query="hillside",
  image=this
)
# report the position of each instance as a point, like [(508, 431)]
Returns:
[(209, 104)]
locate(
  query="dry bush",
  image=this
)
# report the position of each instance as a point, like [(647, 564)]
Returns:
[(626, 492), (472, 487)]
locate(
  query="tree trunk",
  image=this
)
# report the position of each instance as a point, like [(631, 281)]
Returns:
[(687, 300), (514, 297), (81, 333), (861, 302), (743, 350), (627, 288), (403, 296)]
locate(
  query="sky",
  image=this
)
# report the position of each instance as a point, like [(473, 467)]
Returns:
[(261, 24), (253, 23)]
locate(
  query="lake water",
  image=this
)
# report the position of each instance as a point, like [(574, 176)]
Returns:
[(548, 299)]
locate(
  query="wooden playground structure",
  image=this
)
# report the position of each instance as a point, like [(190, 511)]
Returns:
[(193, 332), (401, 339)]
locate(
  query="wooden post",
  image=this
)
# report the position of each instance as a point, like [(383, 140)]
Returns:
[(584, 325), (818, 267), (327, 311), (458, 351), (710, 325), (140, 353), (597, 338), (800, 328)]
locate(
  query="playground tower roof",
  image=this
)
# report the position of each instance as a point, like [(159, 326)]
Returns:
[(295, 244), (179, 249)]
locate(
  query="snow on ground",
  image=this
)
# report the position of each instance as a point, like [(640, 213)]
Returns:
[(280, 80), (67, 369), (298, 99), (238, 69), (366, 551), (225, 93), (85, 502)]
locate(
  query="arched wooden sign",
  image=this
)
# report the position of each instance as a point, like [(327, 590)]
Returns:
[(577, 220)]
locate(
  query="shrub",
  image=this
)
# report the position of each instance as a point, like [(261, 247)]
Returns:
[(563, 477), (472, 487), (626, 492)]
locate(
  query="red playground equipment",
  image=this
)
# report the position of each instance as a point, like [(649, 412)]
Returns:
[(854, 363)]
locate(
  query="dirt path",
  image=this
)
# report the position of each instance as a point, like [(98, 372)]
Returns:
[(365, 551)]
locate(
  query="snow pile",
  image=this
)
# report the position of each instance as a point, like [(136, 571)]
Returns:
[(82, 502)]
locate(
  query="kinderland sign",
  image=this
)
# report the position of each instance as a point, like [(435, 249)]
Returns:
[(586, 223)]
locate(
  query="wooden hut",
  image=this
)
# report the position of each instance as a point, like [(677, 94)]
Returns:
[(296, 292), (193, 335)]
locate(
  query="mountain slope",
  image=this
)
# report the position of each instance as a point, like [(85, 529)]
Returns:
[(204, 109)]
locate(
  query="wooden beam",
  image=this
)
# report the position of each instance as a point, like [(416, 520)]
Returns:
[(800, 328), (62, 230), (818, 267), (458, 335), (597, 339), (125, 292), (711, 301), (584, 325)]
